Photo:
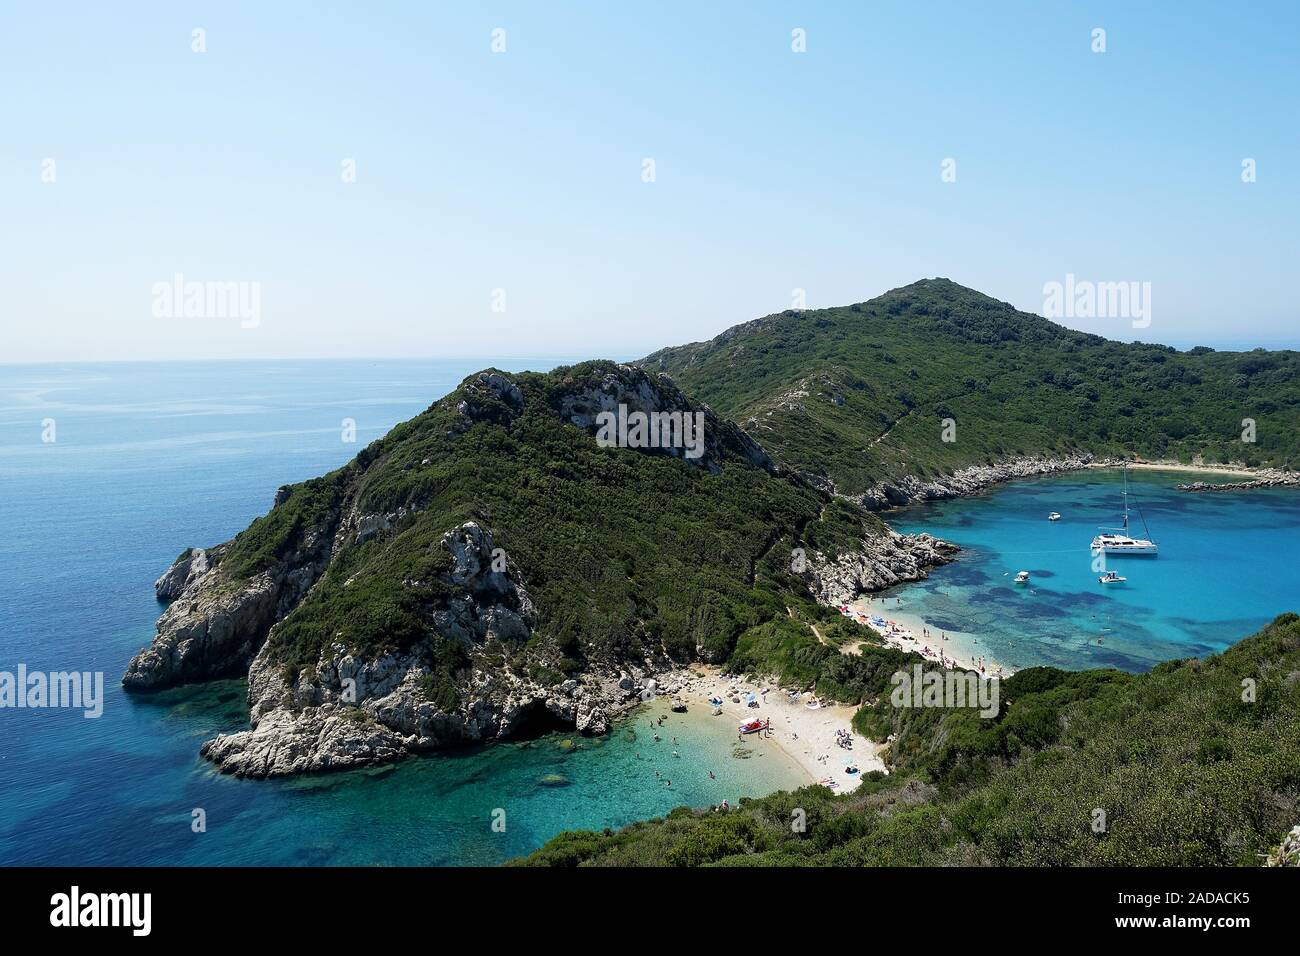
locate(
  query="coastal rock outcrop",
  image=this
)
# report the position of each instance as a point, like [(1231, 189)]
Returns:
[(192, 563), (490, 396), (365, 712), (218, 618), (308, 741), (884, 561), (964, 481), (1264, 478), (205, 634), (349, 709)]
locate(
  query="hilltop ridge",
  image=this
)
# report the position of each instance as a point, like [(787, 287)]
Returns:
[(933, 377)]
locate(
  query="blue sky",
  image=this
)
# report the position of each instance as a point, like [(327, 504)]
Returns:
[(522, 170)]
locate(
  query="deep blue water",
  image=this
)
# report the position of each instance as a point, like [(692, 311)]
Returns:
[(150, 458), (1226, 567)]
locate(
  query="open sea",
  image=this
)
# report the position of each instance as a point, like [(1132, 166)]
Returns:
[(148, 458)]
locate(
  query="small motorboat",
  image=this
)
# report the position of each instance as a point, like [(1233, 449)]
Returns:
[(753, 726), (1110, 577), (1022, 577), (1054, 516)]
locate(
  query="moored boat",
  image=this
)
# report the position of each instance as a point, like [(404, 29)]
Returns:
[(1119, 541)]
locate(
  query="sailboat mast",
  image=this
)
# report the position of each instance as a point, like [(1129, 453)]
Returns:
[(1126, 499)]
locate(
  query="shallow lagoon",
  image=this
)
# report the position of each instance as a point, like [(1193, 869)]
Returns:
[(1226, 567)]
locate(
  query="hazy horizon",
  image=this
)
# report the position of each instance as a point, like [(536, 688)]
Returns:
[(571, 358), (435, 182), (558, 358)]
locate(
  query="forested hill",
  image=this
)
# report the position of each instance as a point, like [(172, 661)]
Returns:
[(859, 393), (493, 565)]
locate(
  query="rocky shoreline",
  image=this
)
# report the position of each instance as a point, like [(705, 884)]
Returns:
[(976, 478), (1266, 478), (891, 558), (289, 736), (350, 711), (965, 481)]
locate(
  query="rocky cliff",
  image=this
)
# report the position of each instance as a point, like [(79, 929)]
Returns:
[(217, 621), (349, 709), (883, 561)]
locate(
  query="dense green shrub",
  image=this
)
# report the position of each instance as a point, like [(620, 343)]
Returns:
[(1015, 383)]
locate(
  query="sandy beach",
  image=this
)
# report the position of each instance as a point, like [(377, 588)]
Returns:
[(959, 649), (805, 736), (808, 736)]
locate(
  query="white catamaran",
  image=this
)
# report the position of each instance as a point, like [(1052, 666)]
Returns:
[(1118, 540)]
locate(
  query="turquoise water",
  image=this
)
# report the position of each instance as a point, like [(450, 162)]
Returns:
[(1226, 567), (149, 458)]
